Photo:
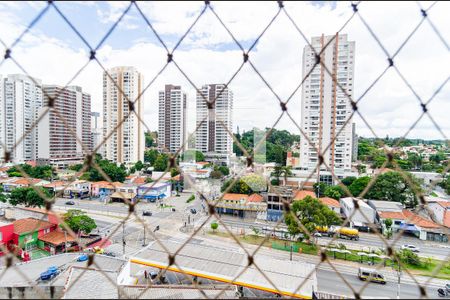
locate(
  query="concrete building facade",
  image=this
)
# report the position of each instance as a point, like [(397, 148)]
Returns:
[(127, 143), (59, 137), (214, 121), (172, 119), (326, 110), (20, 101)]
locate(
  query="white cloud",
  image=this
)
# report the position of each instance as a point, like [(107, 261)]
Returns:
[(390, 107)]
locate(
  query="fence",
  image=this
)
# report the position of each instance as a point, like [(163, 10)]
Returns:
[(281, 107)]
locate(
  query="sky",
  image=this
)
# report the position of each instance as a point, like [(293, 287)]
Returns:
[(52, 52)]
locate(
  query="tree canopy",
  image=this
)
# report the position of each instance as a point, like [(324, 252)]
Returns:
[(41, 172), (192, 155), (79, 221), (247, 184), (311, 213), (28, 196)]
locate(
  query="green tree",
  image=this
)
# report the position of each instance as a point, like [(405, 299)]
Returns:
[(311, 213), (391, 186), (335, 192), (76, 167), (409, 257), (150, 156), (79, 221), (28, 196), (174, 172), (216, 175), (286, 171), (139, 165), (445, 184), (3, 197), (438, 157), (347, 181), (358, 185), (214, 226), (161, 162), (319, 188), (132, 170), (224, 170), (149, 138), (388, 225)]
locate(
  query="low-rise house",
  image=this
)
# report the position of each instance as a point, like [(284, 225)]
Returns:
[(21, 183), (136, 180), (422, 228), (56, 187), (387, 210), (154, 191), (6, 235), (362, 217), (104, 188), (27, 233), (78, 189), (241, 205), (441, 212), (331, 203), (302, 194)]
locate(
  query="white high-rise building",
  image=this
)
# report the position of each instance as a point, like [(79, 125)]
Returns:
[(127, 142), (172, 119), (20, 102), (214, 123), (325, 108), (57, 143)]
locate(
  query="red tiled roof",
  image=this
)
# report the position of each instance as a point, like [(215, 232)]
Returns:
[(418, 220), (4, 169), (139, 180), (30, 225), (107, 184), (235, 197), (398, 215), (329, 202), (447, 218), (202, 163), (444, 204), (255, 198), (57, 238), (26, 181), (300, 195), (55, 184)]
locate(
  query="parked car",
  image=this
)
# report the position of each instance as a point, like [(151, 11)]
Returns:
[(193, 211), (410, 247), (147, 213), (50, 273), (70, 202), (173, 208)]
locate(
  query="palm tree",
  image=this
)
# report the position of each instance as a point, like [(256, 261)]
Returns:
[(286, 171), (277, 172)]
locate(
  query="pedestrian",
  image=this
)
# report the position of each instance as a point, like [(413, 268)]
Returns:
[(145, 274)]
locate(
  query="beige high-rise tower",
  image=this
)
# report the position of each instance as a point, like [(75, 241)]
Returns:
[(325, 108), (126, 144)]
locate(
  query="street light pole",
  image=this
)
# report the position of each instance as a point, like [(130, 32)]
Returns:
[(123, 238), (398, 275), (143, 244)]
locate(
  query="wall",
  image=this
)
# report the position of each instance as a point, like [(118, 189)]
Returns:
[(7, 232), (438, 211)]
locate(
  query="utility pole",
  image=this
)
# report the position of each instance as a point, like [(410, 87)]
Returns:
[(123, 238), (143, 244), (291, 253), (398, 275)]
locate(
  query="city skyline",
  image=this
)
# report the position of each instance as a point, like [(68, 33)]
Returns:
[(389, 107)]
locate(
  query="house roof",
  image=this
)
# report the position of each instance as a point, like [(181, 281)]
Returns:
[(444, 204), (138, 180), (447, 218), (203, 163), (418, 220), (57, 238), (255, 198), (398, 215), (329, 202), (30, 225), (300, 195), (235, 197), (55, 184), (107, 184), (26, 181)]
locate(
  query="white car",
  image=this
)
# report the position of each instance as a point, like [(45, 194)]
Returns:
[(410, 247)]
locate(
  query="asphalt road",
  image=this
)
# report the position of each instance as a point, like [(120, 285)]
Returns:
[(329, 282), (427, 248)]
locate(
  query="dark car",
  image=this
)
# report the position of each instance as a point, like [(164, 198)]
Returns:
[(147, 213), (193, 211), (70, 202), (173, 209)]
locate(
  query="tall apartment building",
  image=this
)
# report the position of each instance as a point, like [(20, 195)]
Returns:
[(172, 119), (325, 108), (20, 101), (126, 144), (212, 137), (57, 143)]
